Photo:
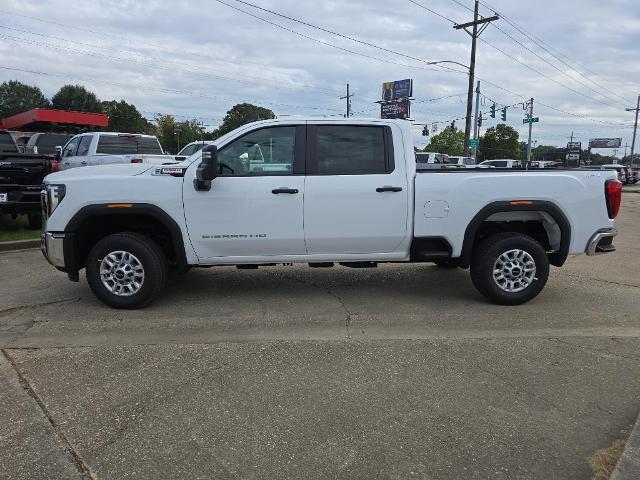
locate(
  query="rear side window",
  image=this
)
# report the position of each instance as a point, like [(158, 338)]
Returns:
[(499, 164), (83, 147), (47, 143), (350, 150), (124, 145), (6, 143)]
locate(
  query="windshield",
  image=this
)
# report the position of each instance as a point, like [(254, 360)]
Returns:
[(191, 149)]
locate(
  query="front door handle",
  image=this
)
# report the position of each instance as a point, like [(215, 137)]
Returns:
[(388, 189), (284, 190)]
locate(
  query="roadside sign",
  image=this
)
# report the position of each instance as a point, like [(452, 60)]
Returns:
[(397, 89), (396, 109), (573, 156), (474, 142), (605, 143), (531, 120), (574, 145)]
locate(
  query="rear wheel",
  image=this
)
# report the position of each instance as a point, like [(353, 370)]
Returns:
[(509, 268), (126, 270)]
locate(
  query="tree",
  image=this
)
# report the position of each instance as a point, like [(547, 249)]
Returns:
[(17, 97), (174, 135), (449, 141), (78, 98), (242, 114), (125, 117), (500, 141)]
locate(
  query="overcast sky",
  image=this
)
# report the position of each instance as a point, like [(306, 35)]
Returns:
[(197, 59)]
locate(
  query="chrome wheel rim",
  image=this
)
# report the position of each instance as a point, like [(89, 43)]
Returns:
[(122, 273), (514, 270)]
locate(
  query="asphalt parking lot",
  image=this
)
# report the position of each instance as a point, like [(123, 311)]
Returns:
[(403, 371)]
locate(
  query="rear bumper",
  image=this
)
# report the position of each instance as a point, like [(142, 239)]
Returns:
[(602, 242), (20, 198)]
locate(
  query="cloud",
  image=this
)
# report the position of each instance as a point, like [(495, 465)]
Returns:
[(198, 59)]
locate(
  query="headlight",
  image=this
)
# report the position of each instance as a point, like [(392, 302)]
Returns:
[(54, 194)]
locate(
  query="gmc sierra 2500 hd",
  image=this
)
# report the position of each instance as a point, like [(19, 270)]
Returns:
[(319, 192)]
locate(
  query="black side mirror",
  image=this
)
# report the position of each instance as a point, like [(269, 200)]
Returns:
[(58, 154), (208, 168)]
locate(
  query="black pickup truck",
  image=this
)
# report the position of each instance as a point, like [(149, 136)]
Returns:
[(21, 176)]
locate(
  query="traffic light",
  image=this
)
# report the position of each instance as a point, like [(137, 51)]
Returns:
[(504, 114), (480, 121), (453, 125), (493, 111), (425, 131)]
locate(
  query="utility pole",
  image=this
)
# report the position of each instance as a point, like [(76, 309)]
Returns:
[(635, 128), (348, 97), (474, 33), (530, 128), (476, 124)]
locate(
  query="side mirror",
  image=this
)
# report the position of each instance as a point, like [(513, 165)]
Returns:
[(208, 168), (58, 154)]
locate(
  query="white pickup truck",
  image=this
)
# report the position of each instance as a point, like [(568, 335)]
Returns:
[(321, 192), (106, 148)]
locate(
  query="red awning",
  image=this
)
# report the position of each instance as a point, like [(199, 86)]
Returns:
[(47, 116)]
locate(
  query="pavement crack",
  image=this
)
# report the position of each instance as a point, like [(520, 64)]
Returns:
[(19, 308), (586, 277), (592, 350), (82, 467), (348, 313)]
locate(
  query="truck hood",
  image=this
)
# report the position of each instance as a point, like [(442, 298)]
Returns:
[(116, 170)]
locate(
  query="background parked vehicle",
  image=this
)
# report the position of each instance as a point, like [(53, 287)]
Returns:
[(502, 163), (105, 148), (433, 160), (45, 143), (21, 176), (192, 148), (622, 173)]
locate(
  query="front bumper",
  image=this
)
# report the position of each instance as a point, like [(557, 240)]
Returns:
[(602, 242), (52, 246)]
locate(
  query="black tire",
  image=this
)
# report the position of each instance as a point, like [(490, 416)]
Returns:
[(35, 221), (445, 264), (487, 253), (147, 252)]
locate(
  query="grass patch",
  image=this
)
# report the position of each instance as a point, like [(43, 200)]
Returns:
[(17, 229), (604, 460)]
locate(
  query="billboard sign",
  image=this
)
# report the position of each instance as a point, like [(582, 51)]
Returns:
[(396, 109), (574, 146), (397, 89), (573, 156), (605, 143)]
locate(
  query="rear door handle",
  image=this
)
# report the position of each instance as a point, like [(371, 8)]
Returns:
[(388, 189), (284, 190)]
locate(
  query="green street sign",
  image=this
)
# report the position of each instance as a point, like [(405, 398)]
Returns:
[(531, 120), (474, 142)]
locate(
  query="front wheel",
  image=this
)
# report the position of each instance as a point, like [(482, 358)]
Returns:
[(126, 270), (509, 268)]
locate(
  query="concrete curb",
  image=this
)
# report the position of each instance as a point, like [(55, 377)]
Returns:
[(19, 245), (628, 468)]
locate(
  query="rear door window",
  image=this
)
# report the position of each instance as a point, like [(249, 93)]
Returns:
[(127, 145), (349, 150), (6, 143)]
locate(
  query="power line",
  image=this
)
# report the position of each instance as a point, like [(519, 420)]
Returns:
[(543, 45), (563, 72), (328, 44), (433, 11), (161, 90), (197, 72)]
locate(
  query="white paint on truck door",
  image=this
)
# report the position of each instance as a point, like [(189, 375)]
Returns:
[(356, 192), (254, 208)]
